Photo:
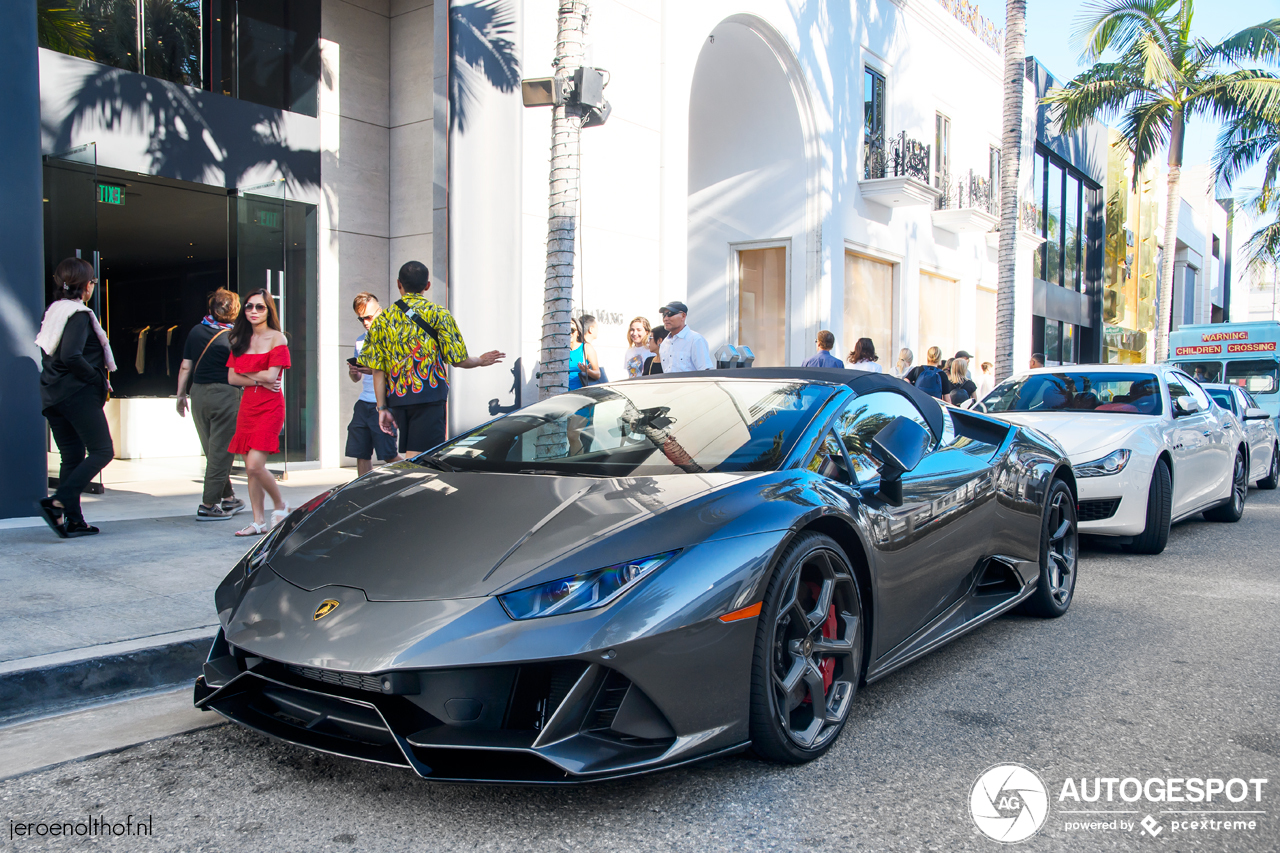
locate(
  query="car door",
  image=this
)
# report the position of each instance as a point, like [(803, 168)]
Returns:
[(1257, 434), (1197, 459), (928, 545)]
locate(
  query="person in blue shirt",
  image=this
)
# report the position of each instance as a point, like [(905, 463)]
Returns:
[(824, 358), (364, 435)]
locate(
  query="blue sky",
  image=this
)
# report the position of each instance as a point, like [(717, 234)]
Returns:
[(1051, 22)]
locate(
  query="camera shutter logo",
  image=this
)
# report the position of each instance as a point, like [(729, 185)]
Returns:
[(1009, 803)]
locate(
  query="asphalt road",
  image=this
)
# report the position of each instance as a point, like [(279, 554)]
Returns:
[(1165, 666)]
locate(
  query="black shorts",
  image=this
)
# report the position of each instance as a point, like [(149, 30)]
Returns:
[(422, 427), (365, 436)]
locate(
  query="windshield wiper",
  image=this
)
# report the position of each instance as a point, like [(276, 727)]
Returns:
[(433, 461)]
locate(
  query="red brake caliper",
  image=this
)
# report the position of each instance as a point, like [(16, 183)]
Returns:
[(828, 665)]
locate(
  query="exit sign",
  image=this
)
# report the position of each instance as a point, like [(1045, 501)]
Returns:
[(269, 218), (110, 194)]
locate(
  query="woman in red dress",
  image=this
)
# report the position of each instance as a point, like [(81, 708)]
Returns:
[(259, 355)]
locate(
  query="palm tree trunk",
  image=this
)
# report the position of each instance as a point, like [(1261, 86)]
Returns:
[(1177, 127), (1010, 163), (557, 306)]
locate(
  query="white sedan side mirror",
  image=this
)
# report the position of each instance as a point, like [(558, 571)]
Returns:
[(1185, 406), (1255, 414)]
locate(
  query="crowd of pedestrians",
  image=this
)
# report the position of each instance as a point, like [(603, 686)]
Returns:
[(231, 382)]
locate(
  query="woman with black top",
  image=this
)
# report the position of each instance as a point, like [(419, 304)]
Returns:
[(75, 361), (214, 403), (963, 389), (653, 364)]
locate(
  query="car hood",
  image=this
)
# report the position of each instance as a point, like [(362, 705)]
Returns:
[(1084, 436), (406, 533)]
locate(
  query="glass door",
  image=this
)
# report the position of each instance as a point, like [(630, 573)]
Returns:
[(71, 198), (270, 243)]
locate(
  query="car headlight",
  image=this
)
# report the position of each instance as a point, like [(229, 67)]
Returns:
[(267, 543), (580, 592), (1112, 463)]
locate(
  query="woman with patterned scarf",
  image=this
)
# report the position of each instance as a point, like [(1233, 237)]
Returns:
[(214, 403)]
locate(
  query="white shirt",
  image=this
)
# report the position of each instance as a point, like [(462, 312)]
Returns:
[(684, 351), (869, 366)]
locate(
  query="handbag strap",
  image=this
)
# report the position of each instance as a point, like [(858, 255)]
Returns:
[(191, 377)]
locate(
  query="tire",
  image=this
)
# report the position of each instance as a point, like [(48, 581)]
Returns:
[(1231, 511), (1159, 511), (1273, 474), (1059, 555), (809, 645)]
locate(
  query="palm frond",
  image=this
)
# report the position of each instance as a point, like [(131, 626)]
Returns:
[(1263, 248), (1237, 95), (1158, 69), (1116, 24), (1244, 143), (1260, 43), (1146, 128), (61, 27), (1100, 92)]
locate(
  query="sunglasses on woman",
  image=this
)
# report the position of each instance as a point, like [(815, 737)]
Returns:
[(255, 306)]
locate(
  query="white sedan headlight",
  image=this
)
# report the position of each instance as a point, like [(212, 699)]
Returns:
[(1112, 463)]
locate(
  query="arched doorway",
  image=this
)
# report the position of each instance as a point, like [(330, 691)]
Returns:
[(749, 177)]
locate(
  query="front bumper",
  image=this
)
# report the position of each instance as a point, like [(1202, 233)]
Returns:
[(1129, 487), (558, 722)]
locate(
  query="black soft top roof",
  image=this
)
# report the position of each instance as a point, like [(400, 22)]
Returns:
[(861, 381)]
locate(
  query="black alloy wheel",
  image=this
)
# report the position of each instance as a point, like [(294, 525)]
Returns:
[(1273, 473), (1233, 509), (808, 655), (1059, 553)]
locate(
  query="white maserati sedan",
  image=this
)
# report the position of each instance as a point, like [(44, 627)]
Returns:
[(1148, 446), (1264, 446)]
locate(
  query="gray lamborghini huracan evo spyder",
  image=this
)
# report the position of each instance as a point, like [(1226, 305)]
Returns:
[(641, 574)]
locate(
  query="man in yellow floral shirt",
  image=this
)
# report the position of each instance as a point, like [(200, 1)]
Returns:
[(408, 347)]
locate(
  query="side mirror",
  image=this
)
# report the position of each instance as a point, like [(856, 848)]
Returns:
[(900, 446), (1185, 406), (1255, 414)]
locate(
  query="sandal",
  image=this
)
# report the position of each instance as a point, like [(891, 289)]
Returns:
[(53, 516), (279, 515), (254, 529), (79, 527)]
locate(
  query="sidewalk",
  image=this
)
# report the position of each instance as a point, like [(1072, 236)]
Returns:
[(148, 577)]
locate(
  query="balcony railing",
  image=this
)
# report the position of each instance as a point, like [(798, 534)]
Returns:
[(969, 192), (898, 156)]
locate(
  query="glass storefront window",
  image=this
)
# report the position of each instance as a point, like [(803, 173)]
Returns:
[(1052, 342), (1054, 226), (264, 51), (1071, 235), (1255, 375), (1039, 164)]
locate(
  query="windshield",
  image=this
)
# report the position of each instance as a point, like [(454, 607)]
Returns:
[(645, 429), (1255, 375), (1078, 391), (1221, 396), (1201, 371)]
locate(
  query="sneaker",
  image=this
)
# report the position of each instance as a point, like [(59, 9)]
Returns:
[(212, 513), (232, 505), (79, 527)]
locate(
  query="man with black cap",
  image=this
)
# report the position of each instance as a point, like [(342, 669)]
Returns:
[(684, 349)]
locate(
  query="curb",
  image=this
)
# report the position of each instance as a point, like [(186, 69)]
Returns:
[(36, 686)]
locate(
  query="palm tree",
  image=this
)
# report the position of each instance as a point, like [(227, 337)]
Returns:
[(1162, 78), (566, 130), (1010, 167)]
